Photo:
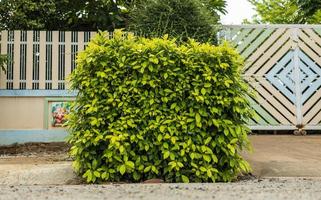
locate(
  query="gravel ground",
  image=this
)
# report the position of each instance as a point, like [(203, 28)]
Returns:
[(268, 188)]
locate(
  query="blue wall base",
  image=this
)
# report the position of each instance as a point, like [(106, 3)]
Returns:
[(8, 137)]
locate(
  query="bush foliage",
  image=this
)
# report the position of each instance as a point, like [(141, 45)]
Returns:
[(150, 108)]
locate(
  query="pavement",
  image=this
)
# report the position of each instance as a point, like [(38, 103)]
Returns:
[(265, 189), (285, 166)]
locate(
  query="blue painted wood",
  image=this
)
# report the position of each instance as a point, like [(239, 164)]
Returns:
[(37, 93), (312, 86), (8, 137), (307, 76), (278, 76)]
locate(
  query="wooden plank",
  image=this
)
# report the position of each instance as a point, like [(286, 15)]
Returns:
[(305, 67), (278, 95), (251, 122), (313, 87), (266, 45), (67, 57), (233, 32), (309, 52), (310, 42), (262, 112), (42, 60), (313, 35), (81, 43), (16, 60), (272, 60), (29, 63), (93, 34), (315, 109), (249, 39), (281, 107), (311, 102), (267, 106), (241, 35), (316, 120), (4, 47), (256, 43), (55, 59), (312, 71)]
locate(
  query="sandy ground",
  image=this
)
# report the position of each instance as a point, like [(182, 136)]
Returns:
[(285, 156), (269, 189)]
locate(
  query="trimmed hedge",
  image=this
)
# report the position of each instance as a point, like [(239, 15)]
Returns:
[(150, 108)]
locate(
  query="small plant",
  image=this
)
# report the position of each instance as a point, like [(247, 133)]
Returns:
[(3, 62), (152, 108)]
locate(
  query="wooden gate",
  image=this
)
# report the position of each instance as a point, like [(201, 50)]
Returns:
[(282, 64)]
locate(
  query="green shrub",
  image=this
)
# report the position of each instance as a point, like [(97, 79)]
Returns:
[(150, 108), (179, 18)]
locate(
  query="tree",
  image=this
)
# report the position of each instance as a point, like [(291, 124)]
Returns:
[(310, 7), (178, 18), (283, 12), (62, 14)]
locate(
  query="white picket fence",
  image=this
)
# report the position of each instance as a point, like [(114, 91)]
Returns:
[(40, 60)]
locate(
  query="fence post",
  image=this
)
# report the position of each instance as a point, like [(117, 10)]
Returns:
[(297, 81)]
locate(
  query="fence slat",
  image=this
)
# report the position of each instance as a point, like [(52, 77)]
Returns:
[(29, 66), (263, 48), (42, 59), (55, 59), (67, 57), (16, 60), (81, 41), (4, 40)]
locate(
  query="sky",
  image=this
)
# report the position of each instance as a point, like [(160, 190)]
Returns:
[(237, 10)]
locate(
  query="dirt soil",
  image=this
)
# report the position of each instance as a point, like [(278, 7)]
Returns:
[(50, 164), (35, 148)]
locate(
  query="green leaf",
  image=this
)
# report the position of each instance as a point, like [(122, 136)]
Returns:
[(207, 158), (185, 179), (203, 91), (162, 129), (203, 169), (130, 164), (147, 169), (198, 120), (166, 154), (165, 76), (122, 169), (159, 138), (97, 174), (136, 176)]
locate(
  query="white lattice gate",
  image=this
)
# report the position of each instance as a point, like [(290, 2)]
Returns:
[(283, 67)]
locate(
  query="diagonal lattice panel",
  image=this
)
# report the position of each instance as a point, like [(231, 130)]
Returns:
[(269, 68)]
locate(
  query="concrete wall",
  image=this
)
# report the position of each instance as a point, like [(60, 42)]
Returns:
[(21, 113), (27, 118)]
